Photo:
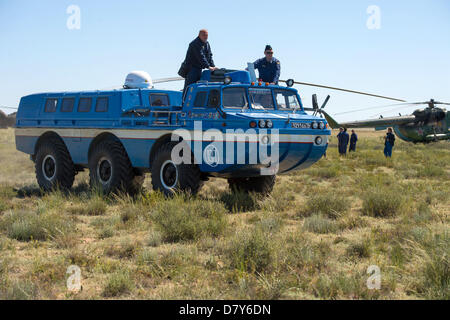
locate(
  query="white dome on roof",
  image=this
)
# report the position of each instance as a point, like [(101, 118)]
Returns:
[(138, 80)]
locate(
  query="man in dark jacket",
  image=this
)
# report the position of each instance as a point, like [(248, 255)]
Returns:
[(198, 57), (268, 67), (353, 139), (343, 138), (389, 141)]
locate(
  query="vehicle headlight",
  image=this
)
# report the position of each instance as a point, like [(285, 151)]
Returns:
[(262, 123), (269, 124), (314, 125), (321, 125), (318, 140), (265, 140)]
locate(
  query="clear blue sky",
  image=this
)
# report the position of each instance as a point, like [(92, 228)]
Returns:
[(319, 41)]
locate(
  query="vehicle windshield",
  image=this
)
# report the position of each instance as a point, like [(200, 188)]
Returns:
[(234, 98), (261, 98), (286, 100)]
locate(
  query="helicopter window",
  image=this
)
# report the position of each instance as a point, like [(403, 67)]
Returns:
[(261, 98), (50, 105), (214, 99), (84, 105), (67, 104), (286, 100), (200, 99), (159, 100), (234, 98), (102, 105)]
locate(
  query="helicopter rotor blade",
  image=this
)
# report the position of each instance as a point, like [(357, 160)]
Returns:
[(445, 103), (398, 105), (163, 80), (345, 90)]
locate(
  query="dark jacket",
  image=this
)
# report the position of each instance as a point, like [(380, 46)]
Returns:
[(199, 55), (390, 137), (343, 138), (269, 71), (353, 138)]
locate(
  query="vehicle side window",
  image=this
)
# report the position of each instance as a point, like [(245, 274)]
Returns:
[(214, 99), (67, 104), (101, 105), (200, 99), (50, 105), (159, 100), (84, 105)]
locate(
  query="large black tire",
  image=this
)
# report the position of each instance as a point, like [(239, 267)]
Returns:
[(262, 184), (54, 166), (169, 177), (110, 169)]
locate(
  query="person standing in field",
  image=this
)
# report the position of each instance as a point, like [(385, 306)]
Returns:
[(353, 139), (343, 138), (389, 141)]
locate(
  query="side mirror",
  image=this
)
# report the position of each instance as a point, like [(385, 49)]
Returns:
[(315, 105)]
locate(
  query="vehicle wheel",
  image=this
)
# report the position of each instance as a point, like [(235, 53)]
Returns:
[(110, 168), (169, 177), (262, 184), (54, 166)]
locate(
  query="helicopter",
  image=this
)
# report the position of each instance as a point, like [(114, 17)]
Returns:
[(425, 125)]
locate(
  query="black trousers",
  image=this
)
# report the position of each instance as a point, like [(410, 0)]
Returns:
[(193, 76), (352, 147)]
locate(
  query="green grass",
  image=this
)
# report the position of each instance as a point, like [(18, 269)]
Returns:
[(181, 219), (95, 206), (251, 251), (119, 283), (28, 225), (382, 202), (313, 238), (330, 204), (319, 224)]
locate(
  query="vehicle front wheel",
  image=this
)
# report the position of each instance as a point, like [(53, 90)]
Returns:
[(262, 184), (54, 166), (110, 169), (169, 177)]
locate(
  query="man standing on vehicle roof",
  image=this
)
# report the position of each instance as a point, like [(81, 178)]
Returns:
[(198, 57), (268, 67)]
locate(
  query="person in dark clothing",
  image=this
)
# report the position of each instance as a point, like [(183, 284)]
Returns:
[(353, 139), (389, 141), (198, 57), (268, 67), (343, 139)]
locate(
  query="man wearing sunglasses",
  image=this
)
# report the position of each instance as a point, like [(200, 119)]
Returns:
[(268, 67)]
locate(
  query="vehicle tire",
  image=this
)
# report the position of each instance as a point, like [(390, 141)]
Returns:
[(54, 166), (110, 169), (169, 177), (262, 184)]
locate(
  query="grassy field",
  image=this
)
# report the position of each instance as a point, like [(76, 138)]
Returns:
[(314, 238)]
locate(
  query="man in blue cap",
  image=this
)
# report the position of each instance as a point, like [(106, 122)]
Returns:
[(268, 67)]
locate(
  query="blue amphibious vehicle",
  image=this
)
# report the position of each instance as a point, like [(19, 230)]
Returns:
[(225, 126)]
